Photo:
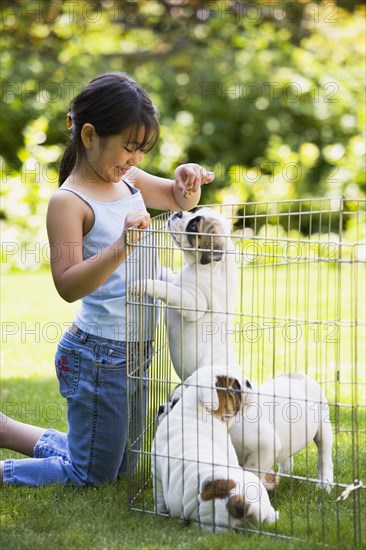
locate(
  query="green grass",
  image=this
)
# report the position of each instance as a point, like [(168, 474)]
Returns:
[(33, 317)]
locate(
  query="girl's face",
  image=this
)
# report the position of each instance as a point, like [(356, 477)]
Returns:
[(111, 158)]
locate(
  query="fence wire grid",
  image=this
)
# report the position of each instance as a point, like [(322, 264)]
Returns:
[(299, 306)]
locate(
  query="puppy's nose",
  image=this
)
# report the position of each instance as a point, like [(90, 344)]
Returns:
[(236, 506), (161, 410)]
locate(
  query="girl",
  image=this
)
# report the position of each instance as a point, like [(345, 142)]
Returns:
[(112, 126)]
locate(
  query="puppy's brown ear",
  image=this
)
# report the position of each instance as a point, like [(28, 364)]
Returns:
[(238, 395), (237, 507), (217, 488), (229, 394)]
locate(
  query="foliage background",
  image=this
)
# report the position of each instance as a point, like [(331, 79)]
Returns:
[(269, 95)]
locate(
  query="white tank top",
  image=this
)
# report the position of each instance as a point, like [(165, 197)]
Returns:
[(104, 311)]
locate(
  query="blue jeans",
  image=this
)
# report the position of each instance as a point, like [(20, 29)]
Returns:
[(92, 374)]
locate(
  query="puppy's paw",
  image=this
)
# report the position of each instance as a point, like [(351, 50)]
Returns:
[(135, 289), (141, 287), (325, 485), (270, 480)]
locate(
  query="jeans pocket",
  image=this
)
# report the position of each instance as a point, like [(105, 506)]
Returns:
[(114, 359), (67, 363)]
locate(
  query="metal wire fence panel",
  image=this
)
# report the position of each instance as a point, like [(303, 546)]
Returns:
[(297, 305)]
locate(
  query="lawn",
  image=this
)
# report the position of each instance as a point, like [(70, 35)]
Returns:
[(33, 318)]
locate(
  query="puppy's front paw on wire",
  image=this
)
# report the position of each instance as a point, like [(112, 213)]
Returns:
[(142, 287), (138, 288)]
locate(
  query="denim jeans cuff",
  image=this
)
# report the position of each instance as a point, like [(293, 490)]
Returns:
[(8, 471), (37, 451)]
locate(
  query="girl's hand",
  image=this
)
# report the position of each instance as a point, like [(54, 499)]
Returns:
[(136, 220), (189, 178)]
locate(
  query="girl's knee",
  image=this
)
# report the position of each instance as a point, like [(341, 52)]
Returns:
[(99, 476), (105, 476)]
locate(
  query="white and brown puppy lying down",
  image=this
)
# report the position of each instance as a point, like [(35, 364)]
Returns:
[(201, 294), (196, 472), (280, 419)]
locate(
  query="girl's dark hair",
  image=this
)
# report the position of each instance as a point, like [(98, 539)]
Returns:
[(112, 103)]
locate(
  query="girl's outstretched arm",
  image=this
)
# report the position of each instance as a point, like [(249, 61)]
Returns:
[(183, 193)]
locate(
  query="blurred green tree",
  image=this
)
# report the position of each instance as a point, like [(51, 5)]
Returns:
[(270, 95)]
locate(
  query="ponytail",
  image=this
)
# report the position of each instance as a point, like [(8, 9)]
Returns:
[(68, 161)]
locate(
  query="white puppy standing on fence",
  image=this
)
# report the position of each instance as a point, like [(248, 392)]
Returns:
[(201, 295), (281, 418), (196, 472)]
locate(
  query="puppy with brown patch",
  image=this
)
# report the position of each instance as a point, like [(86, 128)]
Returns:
[(176, 394), (200, 296), (282, 417), (196, 472)]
